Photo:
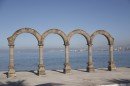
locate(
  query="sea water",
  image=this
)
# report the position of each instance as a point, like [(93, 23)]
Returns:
[(29, 59)]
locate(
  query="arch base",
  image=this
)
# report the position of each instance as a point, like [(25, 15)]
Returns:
[(41, 69), (67, 68), (90, 68), (111, 67), (11, 73)]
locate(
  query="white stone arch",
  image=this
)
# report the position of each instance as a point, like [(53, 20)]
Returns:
[(110, 40), (67, 68), (90, 67), (11, 40)]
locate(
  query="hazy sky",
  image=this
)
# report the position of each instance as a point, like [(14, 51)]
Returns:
[(66, 15)]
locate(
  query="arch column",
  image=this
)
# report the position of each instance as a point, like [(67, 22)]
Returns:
[(41, 67), (67, 68), (11, 72), (90, 67), (111, 65)]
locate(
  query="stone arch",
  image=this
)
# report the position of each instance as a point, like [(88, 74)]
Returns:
[(79, 31), (90, 67), (12, 38), (66, 43), (106, 34), (11, 41), (110, 39), (55, 31)]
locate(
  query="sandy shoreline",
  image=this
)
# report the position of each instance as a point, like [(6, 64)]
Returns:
[(76, 78)]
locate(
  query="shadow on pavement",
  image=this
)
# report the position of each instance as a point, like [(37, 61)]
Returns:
[(17, 83), (119, 81), (50, 84)]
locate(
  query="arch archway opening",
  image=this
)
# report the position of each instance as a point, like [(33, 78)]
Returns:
[(54, 52), (78, 52), (100, 49), (26, 52)]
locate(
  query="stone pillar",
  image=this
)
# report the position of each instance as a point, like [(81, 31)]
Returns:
[(67, 68), (41, 69), (90, 67), (11, 72), (111, 65)]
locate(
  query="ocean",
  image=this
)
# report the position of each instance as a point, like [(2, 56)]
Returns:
[(29, 59)]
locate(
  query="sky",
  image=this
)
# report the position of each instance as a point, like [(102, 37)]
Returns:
[(66, 15)]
